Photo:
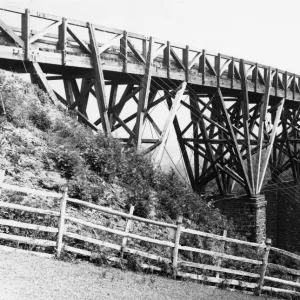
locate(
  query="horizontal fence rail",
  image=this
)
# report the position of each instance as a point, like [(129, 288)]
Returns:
[(255, 281)]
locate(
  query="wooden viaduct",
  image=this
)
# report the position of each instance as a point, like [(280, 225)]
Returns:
[(243, 116)]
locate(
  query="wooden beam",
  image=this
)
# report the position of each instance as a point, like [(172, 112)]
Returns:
[(81, 43), (9, 32), (41, 33), (110, 43), (99, 84), (182, 145), (239, 159), (112, 100), (26, 32), (144, 95), (69, 92), (136, 53), (271, 142), (262, 119), (124, 50), (173, 110), (62, 40), (38, 72), (245, 113), (193, 102)]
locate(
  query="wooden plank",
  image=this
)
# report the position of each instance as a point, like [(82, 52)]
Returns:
[(217, 269), (99, 83), (215, 280), (168, 123), (284, 269), (285, 282), (277, 290), (81, 43), (41, 33), (26, 240), (121, 233), (91, 240), (118, 213), (286, 253), (12, 223), (144, 95), (29, 209), (26, 190), (9, 31), (222, 255)]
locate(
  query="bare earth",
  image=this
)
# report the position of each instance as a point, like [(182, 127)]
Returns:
[(24, 276)]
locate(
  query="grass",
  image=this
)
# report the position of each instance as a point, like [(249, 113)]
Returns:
[(29, 277)]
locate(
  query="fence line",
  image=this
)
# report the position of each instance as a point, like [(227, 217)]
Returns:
[(176, 263)]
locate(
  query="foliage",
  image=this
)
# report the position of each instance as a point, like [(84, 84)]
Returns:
[(88, 161)]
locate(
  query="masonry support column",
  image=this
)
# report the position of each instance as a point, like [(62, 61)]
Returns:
[(248, 214)]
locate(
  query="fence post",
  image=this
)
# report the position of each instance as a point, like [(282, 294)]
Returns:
[(127, 229), (61, 222), (176, 246), (219, 259), (263, 268), (2, 175)]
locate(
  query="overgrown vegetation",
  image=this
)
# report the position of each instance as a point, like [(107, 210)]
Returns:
[(88, 162)]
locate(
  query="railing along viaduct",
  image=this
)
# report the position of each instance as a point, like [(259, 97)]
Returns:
[(243, 116)]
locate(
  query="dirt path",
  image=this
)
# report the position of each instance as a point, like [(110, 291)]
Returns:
[(25, 277)]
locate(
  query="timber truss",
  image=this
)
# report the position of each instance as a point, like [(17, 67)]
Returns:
[(243, 117)]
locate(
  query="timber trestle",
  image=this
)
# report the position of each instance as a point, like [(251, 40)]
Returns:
[(243, 116)]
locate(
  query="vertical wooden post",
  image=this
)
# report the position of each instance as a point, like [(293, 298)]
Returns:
[(202, 63), (124, 50), (2, 175), (176, 246), (219, 259), (62, 39), (127, 229), (26, 32), (263, 267), (61, 223)]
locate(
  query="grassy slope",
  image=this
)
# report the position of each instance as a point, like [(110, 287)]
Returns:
[(40, 278)]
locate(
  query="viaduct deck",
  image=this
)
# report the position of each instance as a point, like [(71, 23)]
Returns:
[(229, 99)]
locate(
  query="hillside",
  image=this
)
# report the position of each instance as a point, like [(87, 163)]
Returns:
[(44, 146)]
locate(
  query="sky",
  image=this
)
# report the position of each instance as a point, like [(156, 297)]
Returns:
[(265, 31), (262, 31)]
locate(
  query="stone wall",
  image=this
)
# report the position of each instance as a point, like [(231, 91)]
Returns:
[(247, 213)]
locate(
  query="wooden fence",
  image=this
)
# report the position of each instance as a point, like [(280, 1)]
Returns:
[(255, 282)]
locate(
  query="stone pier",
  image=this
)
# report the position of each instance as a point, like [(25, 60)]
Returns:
[(248, 214)]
